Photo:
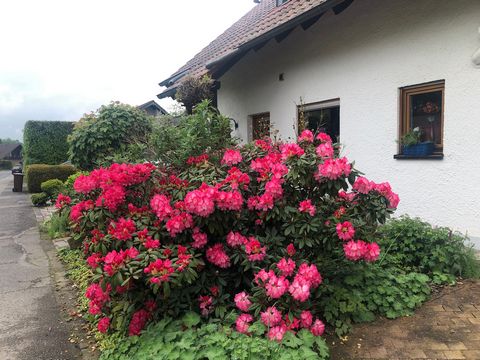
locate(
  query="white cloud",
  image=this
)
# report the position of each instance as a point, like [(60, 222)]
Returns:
[(68, 57)]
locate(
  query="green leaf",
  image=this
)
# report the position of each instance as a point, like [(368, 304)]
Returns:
[(191, 319)]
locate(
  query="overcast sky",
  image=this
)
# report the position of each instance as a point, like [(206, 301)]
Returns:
[(62, 58)]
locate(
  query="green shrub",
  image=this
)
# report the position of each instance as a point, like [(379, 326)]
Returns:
[(45, 142), (6, 165), (103, 133), (206, 131), (182, 339), (438, 251), (359, 293), (39, 173), (40, 199), (58, 225), (52, 187)]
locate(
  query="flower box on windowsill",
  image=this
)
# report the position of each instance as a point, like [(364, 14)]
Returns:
[(420, 149)]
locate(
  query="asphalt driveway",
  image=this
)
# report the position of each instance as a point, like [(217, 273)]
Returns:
[(30, 319)]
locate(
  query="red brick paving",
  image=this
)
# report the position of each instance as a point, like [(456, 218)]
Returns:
[(446, 327)]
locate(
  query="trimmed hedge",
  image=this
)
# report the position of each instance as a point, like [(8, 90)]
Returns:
[(45, 142), (6, 165), (39, 173)]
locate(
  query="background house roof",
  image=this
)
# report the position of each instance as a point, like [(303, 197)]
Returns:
[(7, 149), (152, 105), (263, 22)]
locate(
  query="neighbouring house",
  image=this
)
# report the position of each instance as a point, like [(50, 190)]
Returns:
[(152, 109), (367, 72), (11, 151)]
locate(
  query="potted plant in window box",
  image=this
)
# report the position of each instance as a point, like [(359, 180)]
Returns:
[(412, 146)]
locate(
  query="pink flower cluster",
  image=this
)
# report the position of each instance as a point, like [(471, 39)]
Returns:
[(160, 271), (112, 182), (231, 157), (333, 169), (357, 250), (115, 260), (217, 256), (62, 201), (98, 298), (363, 186), (306, 206)]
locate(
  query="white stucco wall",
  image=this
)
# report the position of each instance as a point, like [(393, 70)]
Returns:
[(363, 56)]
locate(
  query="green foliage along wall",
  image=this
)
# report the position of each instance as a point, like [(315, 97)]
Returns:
[(45, 142)]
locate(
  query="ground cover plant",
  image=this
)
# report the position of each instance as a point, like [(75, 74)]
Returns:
[(251, 232)]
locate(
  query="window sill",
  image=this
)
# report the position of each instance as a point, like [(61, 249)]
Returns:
[(412, 157)]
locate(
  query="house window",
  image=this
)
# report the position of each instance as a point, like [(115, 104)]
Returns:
[(260, 126), (281, 2), (422, 111), (321, 117)]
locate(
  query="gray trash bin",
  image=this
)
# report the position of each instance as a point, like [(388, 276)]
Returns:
[(17, 182)]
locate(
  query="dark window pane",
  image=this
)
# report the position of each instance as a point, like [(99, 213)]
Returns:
[(426, 114), (325, 120), (261, 126)]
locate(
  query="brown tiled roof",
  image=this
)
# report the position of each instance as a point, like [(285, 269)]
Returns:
[(261, 20)]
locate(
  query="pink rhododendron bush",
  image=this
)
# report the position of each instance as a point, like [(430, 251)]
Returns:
[(250, 234)]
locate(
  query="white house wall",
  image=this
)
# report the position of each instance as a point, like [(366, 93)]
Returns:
[(363, 56)]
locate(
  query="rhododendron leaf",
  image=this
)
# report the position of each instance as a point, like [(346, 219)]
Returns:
[(191, 319)]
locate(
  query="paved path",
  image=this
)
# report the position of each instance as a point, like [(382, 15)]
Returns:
[(447, 327), (31, 327)]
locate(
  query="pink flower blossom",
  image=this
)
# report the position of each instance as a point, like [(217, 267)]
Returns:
[(205, 304), (217, 256), (229, 200), (325, 150), (123, 229), (94, 260), (178, 223), (271, 316), (274, 188), (111, 197), (306, 319), (199, 239), (363, 185), (276, 286), (354, 250), (324, 138), (286, 266), (291, 250), (310, 273), (235, 239), (103, 324), (345, 230), (290, 150), (333, 169), (138, 322), (306, 136), (372, 252), (62, 201), (231, 157), (262, 276), (201, 201), (243, 323), (346, 196), (160, 270), (277, 332), (306, 206), (318, 328), (242, 302), (254, 250), (150, 243), (160, 204), (300, 289), (84, 184)]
